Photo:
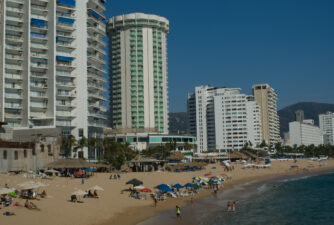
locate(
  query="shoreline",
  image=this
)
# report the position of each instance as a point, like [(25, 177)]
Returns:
[(144, 213)]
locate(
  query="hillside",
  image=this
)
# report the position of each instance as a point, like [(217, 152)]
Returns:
[(178, 123), (311, 111)]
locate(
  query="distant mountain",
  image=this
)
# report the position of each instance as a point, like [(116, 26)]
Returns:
[(178, 123), (311, 111)]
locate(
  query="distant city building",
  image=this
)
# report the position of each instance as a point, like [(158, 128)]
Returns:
[(51, 64), (138, 71), (225, 119), (266, 97), (326, 123), (305, 133), (300, 115)]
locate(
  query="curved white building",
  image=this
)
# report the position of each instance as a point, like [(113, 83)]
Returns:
[(138, 72)]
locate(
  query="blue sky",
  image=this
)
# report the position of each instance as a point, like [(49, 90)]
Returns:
[(237, 43)]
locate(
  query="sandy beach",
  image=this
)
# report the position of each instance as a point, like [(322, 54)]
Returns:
[(115, 208)]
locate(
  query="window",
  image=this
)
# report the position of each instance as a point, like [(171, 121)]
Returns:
[(49, 148), (25, 153), (16, 155), (81, 132), (5, 154), (42, 148)]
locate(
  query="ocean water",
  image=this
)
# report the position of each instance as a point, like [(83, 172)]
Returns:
[(301, 200), (295, 200)]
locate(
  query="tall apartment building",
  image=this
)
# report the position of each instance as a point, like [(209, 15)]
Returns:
[(237, 120), (266, 97), (51, 61), (305, 133), (223, 118), (326, 123), (138, 72)]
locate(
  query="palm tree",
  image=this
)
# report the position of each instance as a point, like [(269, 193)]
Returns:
[(81, 144), (92, 144), (67, 144)]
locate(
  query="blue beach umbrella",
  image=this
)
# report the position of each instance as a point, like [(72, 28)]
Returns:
[(214, 168), (179, 186), (164, 187), (188, 185)]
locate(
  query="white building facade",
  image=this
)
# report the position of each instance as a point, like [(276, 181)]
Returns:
[(138, 71), (237, 120), (225, 119), (326, 123), (305, 133), (51, 65)]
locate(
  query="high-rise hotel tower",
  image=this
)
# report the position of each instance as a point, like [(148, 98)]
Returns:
[(138, 72), (51, 65)]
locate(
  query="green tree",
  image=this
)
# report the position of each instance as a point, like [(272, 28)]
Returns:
[(118, 153), (92, 144), (67, 144), (82, 143)]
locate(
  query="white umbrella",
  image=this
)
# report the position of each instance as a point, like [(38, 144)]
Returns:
[(32, 185), (139, 187), (51, 171), (4, 191), (79, 192), (96, 188)]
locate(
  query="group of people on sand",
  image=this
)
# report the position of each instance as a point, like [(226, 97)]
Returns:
[(231, 206), (115, 177), (91, 194), (229, 168), (30, 205)]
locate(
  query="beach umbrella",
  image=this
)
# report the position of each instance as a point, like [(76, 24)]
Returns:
[(51, 171), (31, 185), (197, 186), (179, 186), (146, 190), (135, 182), (188, 185), (214, 168), (96, 188), (79, 192), (139, 187), (164, 187), (4, 191)]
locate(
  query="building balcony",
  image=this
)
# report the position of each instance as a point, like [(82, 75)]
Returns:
[(62, 114), (13, 106), (38, 37), (37, 105), (66, 85), (38, 97), (66, 105), (65, 45), (13, 96), (96, 69), (14, 38), (13, 67), (95, 87), (38, 46), (96, 59), (13, 86), (13, 58), (65, 124), (13, 48), (38, 86), (96, 96), (96, 124), (13, 77), (97, 115), (15, 30), (65, 27), (66, 95), (13, 116), (15, 19), (93, 76), (66, 65), (38, 66), (36, 8)]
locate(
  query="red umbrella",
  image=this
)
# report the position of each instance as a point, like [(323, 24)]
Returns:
[(146, 190), (207, 174), (79, 173)]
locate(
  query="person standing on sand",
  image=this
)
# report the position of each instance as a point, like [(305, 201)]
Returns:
[(233, 206), (178, 212), (155, 202)]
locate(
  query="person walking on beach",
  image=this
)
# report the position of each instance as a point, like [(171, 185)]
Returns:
[(229, 206), (178, 212), (155, 202), (233, 206)]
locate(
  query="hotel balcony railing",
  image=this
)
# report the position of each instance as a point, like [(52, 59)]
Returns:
[(14, 38), (66, 94), (13, 76), (39, 55), (33, 45), (38, 105), (13, 96), (14, 47), (12, 56), (14, 67), (63, 14), (14, 116), (64, 114), (39, 7), (16, 28), (37, 16), (37, 65), (14, 9), (13, 106), (38, 85), (16, 19)]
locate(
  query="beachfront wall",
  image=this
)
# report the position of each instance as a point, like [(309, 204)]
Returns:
[(27, 156)]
